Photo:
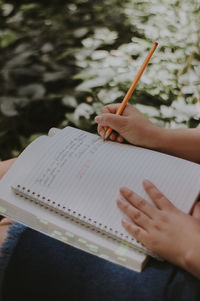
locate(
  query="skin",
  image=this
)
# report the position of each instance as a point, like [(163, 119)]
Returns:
[(157, 227), (135, 128), (162, 228), (5, 222)]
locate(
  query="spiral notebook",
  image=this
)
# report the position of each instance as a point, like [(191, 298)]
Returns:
[(72, 181), (76, 177)]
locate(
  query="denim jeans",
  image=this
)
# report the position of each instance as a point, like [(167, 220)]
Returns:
[(42, 268)]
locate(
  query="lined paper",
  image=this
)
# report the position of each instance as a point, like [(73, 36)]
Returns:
[(84, 173)]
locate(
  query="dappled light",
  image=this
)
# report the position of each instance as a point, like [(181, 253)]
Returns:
[(61, 61)]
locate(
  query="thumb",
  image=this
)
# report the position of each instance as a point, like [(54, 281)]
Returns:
[(196, 210), (116, 122)]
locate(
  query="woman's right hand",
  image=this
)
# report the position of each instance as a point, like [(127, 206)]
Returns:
[(132, 126)]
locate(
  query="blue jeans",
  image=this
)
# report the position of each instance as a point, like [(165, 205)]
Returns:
[(41, 268)]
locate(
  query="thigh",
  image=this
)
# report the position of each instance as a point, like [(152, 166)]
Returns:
[(43, 268)]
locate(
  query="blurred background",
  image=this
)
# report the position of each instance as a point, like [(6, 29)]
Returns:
[(61, 61)]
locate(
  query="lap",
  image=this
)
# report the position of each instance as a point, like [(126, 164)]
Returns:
[(41, 268)]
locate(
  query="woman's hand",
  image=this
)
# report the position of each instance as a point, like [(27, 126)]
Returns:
[(163, 229), (5, 222), (132, 126), (5, 165)]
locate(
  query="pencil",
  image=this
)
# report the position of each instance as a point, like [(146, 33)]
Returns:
[(132, 87)]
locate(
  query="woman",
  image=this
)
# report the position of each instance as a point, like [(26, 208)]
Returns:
[(38, 267)]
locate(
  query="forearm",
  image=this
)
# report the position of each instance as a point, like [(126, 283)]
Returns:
[(184, 143)]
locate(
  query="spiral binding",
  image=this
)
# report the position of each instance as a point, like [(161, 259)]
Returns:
[(79, 218)]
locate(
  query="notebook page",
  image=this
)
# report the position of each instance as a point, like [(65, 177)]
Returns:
[(38, 218), (82, 173)]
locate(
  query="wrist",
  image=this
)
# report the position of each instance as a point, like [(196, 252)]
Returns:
[(157, 138), (189, 258), (191, 261), (163, 140)]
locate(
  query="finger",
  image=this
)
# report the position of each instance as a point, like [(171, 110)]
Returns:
[(137, 232), (196, 210), (5, 221), (116, 122), (112, 108), (136, 216), (100, 130), (157, 197), (138, 202), (120, 139), (113, 136)]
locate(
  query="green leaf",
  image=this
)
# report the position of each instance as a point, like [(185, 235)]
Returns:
[(33, 91), (33, 137), (8, 107), (148, 110), (83, 110), (109, 95), (92, 83), (69, 101), (7, 38), (54, 76)]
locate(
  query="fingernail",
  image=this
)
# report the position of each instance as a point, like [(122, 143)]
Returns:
[(98, 118), (124, 190), (101, 133), (120, 202), (146, 182), (125, 222)]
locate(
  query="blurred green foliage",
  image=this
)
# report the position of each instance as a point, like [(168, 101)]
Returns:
[(61, 61)]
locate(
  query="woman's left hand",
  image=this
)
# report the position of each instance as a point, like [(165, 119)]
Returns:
[(163, 229)]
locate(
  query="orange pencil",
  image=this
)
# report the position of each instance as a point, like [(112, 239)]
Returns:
[(132, 87)]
